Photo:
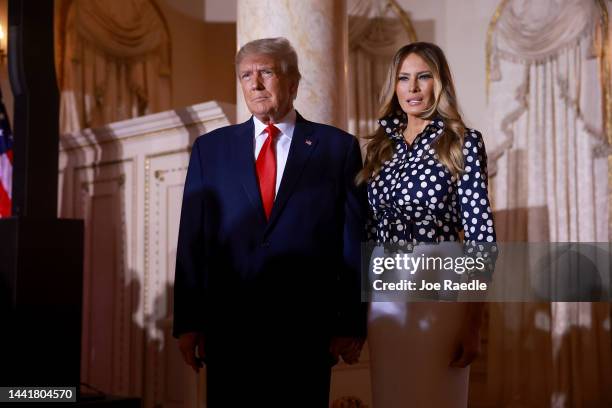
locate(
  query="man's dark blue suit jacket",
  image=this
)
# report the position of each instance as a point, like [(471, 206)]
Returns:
[(238, 274)]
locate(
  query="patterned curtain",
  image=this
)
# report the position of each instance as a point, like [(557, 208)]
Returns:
[(549, 103)]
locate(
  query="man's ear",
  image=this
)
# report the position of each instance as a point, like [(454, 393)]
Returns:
[(293, 88)]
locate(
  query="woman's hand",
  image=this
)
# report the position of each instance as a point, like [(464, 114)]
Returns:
[(469, 336)]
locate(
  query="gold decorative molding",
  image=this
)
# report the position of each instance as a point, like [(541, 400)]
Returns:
[(155, 279), (159, 177), (404, 19), (489, 44), (610, 200), (606, 60), (147, 204), (159, 174)]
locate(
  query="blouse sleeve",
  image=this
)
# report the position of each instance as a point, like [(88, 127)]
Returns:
[(475, 210), (371, 225)]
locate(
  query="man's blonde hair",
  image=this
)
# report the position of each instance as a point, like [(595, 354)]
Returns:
[(279, 49)]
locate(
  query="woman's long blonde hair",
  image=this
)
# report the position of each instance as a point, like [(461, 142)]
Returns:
[(449, 145)]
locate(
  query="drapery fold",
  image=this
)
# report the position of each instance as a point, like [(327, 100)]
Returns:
[(536, 31), (375, 34), (549, 158), (115, 63)]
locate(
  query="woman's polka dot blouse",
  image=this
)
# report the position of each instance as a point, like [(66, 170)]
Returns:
[(414, 199)]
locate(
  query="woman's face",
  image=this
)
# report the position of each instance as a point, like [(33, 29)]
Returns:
[(415, 85)]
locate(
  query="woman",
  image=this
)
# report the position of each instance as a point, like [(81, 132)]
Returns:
[(427, 182)]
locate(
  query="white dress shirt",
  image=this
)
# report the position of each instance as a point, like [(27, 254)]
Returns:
[(286, 125)]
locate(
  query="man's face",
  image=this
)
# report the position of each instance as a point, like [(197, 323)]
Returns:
[(268, 92)]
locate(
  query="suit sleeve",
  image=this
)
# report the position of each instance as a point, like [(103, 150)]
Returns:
[(352, 312), (189, 313)]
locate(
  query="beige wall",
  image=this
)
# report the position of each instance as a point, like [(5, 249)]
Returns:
[(460, 29), (220, 10), (203, 36), (202, 54)]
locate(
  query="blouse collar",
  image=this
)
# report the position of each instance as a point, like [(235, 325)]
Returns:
[(395, 123)]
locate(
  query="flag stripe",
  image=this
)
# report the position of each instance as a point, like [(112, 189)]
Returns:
[(6, 163), (5, 203), (5, 136), (6, 174)]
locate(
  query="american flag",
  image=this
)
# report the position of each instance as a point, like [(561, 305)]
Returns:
[(6, 162)]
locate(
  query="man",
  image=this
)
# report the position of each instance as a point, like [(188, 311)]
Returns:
[(267, 287)]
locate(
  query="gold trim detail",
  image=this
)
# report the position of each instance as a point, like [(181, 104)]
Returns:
[(404, 19), (159, 175), (489, 44), (605, 68), (606, 89), (146, 276), (610, 200)]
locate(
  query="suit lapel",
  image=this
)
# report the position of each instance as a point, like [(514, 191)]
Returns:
[(245, 165), (303, 143)]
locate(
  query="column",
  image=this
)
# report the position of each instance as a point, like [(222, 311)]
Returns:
[(318, 31)]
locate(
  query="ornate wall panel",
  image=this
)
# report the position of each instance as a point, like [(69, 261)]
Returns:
[(126, 181), (164, 179), (107, 327)]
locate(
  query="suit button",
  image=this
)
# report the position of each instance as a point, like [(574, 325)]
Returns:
[(265, 244)]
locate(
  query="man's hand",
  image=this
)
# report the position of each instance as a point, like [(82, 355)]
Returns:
[(187, 344), (349, 348)]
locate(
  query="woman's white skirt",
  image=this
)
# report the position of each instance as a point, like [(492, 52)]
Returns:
[(411, 345)]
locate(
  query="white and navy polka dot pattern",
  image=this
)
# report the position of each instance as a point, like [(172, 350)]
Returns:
[(414, 199)]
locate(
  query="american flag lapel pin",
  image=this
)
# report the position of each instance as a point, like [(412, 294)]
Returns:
[(308, 142)]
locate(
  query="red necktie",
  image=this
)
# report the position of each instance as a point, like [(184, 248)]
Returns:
[(266, 169)]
